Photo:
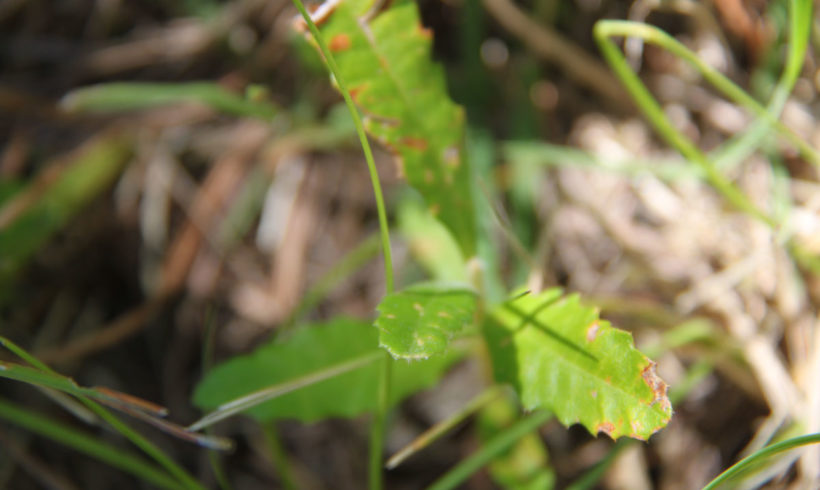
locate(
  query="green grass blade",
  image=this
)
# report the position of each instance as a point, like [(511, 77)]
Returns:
[(186, 480), (654, 113), (441, 428), (759, 457), (591, 478), (605, 29), (40, 378), (47, 204), (800, 19), (44, 376), (341, 81), (347, 265), (526, 464), (278, 455), (744, 145), (86, 444), (22, 354), (125, 96), (551, 155), (490, 451), (383, 392)]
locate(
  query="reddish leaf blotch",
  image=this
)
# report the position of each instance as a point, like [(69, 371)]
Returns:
[(415, 143), (607, 428), (340, 42), (657, 386)]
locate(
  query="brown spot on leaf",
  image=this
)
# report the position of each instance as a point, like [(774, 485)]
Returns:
[(340, 42), (425, 32), (435, 209), (657, 385), (428, 176), (607, 428), (594, 394), (592, 331), (355, 91), (415, 143)]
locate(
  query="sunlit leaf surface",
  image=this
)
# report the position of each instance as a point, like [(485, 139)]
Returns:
[(559, 355), (420, 321)]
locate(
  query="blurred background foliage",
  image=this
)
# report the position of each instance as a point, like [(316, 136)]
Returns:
[(216, 196)]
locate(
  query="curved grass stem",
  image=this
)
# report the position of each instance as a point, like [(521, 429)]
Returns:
[(654, 113), (606, 29), (86, 444), (378, 424), (800, 15), (42, 374), (756, 458)]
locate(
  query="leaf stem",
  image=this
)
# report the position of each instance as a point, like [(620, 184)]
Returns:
[(368, 153), (374, 467), (377, 428)]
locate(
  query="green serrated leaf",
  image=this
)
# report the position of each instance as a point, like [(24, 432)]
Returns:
[(419, 322), (386, 63), (308, 350), (559, 355)]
